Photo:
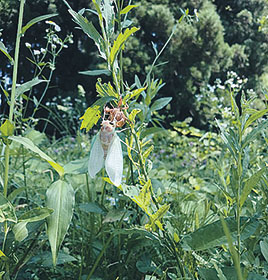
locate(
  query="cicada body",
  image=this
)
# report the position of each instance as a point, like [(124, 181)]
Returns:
[(107, 151)]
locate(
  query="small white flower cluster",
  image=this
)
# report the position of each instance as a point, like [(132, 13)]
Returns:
[(234, 81)]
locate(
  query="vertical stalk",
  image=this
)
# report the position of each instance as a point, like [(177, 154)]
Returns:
[(13, 90)]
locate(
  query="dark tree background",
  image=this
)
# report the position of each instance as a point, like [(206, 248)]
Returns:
[(225, 37)]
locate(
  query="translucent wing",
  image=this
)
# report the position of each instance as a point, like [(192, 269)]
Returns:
[(96, 157), (114, 161)]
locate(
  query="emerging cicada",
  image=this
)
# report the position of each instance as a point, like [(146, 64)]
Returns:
[(106, 150)]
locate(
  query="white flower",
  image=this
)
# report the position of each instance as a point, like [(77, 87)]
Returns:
[(43, 50), (28, 45), (57, 28), (36, 52)]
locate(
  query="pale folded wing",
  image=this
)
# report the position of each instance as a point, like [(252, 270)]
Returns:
[(96, 157), (114, 161)]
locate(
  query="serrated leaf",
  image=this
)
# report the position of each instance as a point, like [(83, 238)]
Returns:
[(7, 128), (36, 20), (119, 42), (160, 103), (3, 49), (127, 9), (90, 118), (96, 72), (27, 143), (60, 198)]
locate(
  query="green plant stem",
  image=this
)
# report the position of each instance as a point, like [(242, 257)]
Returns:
[(99, 257)]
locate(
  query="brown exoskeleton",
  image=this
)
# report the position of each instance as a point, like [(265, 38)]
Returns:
[(116, 114)]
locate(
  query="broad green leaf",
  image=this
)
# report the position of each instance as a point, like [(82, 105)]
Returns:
[(211, 273), (36, 20), (35, 215), (213, 235), (92, 207), (7, 211), (7, 129), (90, 30), (254, 117), (127, 9), (3, 49), (96, 72), (78, 166), (60, 198), (27, 143), (91, 117), (119, 42), (44, 259), (264, 248), (115, 215), (28, 85), (20, 231), (160, 103), (250, 184)]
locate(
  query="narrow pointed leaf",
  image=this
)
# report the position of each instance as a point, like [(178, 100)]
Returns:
[(160, 103), (254, 117), (27, 143), (3, 49), (28, 85), (7, 211), (96, 72), (127, 9), (36, 20), (60, 198)]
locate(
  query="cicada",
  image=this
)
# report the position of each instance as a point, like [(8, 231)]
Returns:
[(107, 151)]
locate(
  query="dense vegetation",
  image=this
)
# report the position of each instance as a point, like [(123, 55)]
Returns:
[(185, 85)]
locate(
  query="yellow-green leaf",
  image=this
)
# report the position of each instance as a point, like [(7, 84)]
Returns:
[(91, 117), (144, 197), (119, 42), (127, 9), (156, 217), (7, 128)]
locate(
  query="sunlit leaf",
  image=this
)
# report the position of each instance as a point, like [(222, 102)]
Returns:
[(119, 42), (90, 118), (127, 9), (7, 128), (7, 211), (36, 20), (96, 72)]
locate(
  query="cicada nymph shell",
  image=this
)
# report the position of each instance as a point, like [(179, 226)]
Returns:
[(107, 151)]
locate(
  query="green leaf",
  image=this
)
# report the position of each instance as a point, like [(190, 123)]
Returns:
[(134, 93), (254, 117), (152, 130), (3, 49), (92, 207), (7, 211), (250, 184), (27, 143), (78, 166), (212, 235), (264, 248), (160, 103), (60, 198), (96, 72), (156, 217), (253, 134), (35, 215), (15, 193), (35, 20), (20, 231), (28, 85), (109, 16), (211, 274), (119, 42), (147, 152), (133, 114), (91, 117), (7, 129), (90, 30), (127, 9)]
